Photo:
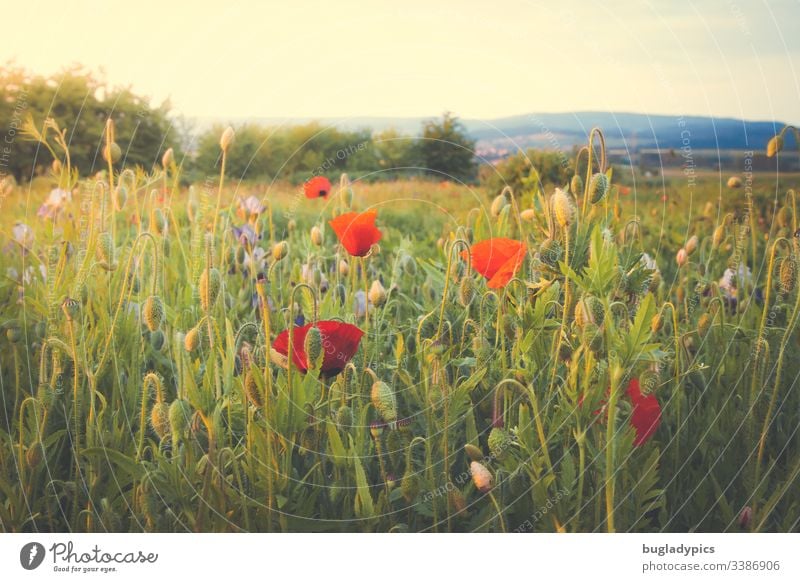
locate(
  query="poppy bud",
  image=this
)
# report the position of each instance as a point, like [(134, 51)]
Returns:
[(344, 268), (180, 412), (592, 337), (409, 485), (481, 477), (316, 236), (498, 204), (473, 452), (377, 294), (344, 417), (528, 214), (719, 236), (691, 244), (153, 312), (562, 208), (466, 291), (774, 145), (499, 441), (291, 225), (384, 401), (734, 182), (410, 266), (598, 187), (550, 252), (167, 158), (192, 339), (55, 167), (313, 348), (34, 455), (682, 257), (210, 283), (576, 185), (745, 517), (159, 419), (227, 138), (703, 324), (252, 391), (112, 152), (120, 197), (70, 308), (280, 250), (788, 274)]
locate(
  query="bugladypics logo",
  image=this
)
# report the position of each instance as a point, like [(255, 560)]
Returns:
[(31, 555)]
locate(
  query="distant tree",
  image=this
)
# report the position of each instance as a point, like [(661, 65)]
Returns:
[(445, 149), (80, 103), (395, 154)]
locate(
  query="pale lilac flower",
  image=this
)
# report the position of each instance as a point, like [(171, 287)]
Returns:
[(56, 200)]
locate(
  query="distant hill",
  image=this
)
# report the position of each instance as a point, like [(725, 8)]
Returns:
[(628, 131)]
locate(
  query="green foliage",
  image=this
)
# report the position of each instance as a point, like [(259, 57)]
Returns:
[(524, 172), (81, 103), (445, 151)]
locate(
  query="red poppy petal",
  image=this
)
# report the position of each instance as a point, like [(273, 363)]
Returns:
[(507, 271), (489, 256), (645, 418), (317, 187), (281, 345), (340, 343), (356, 232)]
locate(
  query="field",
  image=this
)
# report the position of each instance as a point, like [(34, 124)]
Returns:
[(609, 355)]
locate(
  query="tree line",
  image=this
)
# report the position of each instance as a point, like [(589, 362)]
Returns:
[(80, 103)]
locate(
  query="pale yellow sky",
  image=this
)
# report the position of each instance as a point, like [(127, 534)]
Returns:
[(407, 58)]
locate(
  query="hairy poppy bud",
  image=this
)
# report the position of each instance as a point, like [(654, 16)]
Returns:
[(167, 158), (112, 152), (788, 274), (252, 391), (180, 412), (576, 185), (159, 419), (280, 250), (344, 417), (703, 324), (498, 204), (550, 252), (528, 215), (598, 187), (473, 452), (466, 291), (481, 477), (656, 323), (34, 455), (210, 283), (192, 339), (774, 145), (682, 257), (314, 348), (70, 308), (153, 312), (119, 197), (734, 182), (562, 208), (377, 294), (316, 235), (227, 138), (719, 236), (691, 244), (384, 401), (499, 441)]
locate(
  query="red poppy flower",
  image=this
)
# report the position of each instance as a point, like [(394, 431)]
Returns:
[(646, 414), (317, 187), (497, 259), (357, 232), (339, 343)]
